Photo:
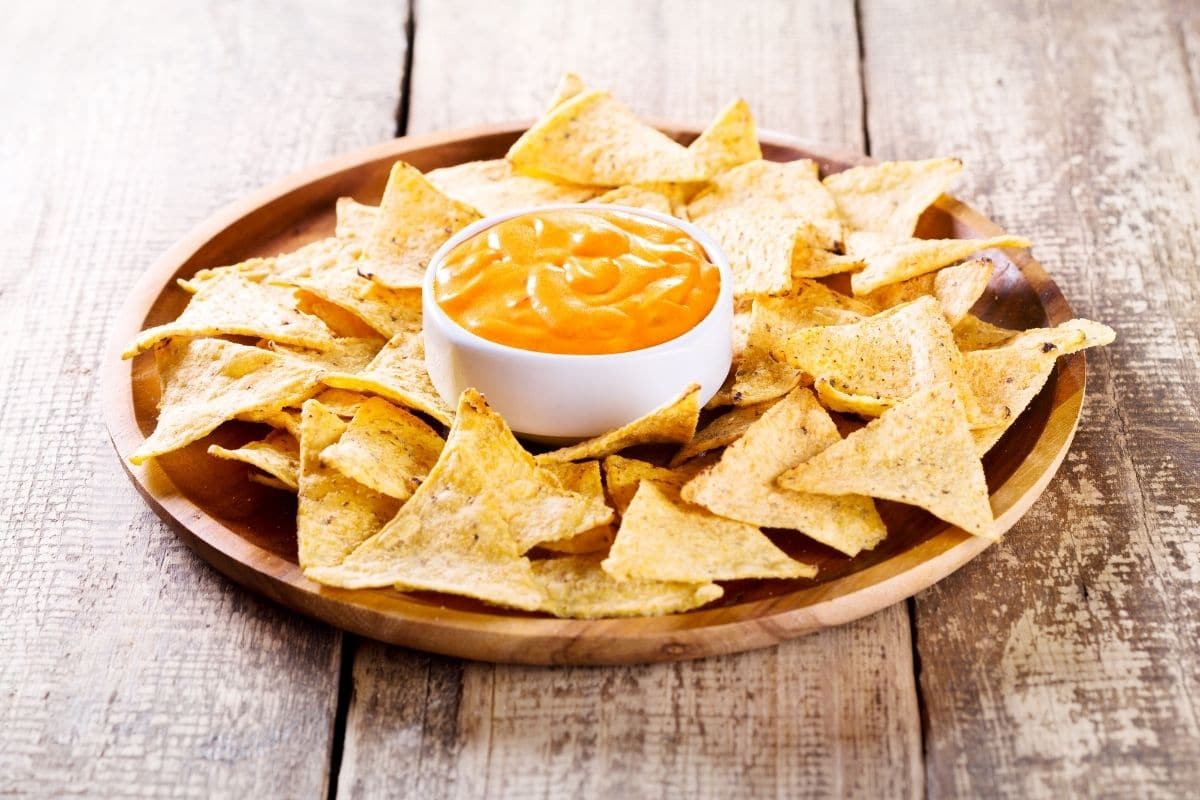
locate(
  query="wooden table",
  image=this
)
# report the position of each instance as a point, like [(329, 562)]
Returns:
[(1062, 662)]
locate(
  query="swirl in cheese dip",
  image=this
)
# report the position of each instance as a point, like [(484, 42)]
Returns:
[(578, 282)]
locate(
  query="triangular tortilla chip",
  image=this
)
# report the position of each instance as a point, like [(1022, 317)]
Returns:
[(594, 139), (919, 452), (623, 475), (568, 86), (493, 188), (671, 423), (637, 197), (728, 141), (355, 221), (956, 289), (385, 448), (578, 587), (387, 311), (887, 357), (582, 477), (398, 373), (664, 539), (891, 262), (209, 381), (724, 430), (889, 198), (742, 484), (277, 455), (334, 513), (228, 304), (972, 333), (414, 220)]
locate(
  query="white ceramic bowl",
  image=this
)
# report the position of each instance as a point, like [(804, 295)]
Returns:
[(560, 397)]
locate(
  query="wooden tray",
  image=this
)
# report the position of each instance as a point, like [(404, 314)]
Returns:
[(248, 531)]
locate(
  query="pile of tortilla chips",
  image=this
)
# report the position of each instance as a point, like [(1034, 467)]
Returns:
[(861, 374)]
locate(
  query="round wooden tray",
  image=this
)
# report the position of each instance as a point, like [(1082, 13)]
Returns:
[(248, 532)]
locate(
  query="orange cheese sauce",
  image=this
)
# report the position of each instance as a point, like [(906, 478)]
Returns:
[(580, 282)]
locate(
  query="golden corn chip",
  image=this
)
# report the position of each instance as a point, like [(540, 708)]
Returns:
[(398, 374), (956, 289), (336, 318), (253, 269), (623, 475), (638, 197), (886, 357), (278, 455), (888, 198), (577, 587), (414, 220), (209, 381), (919, 452), (810, 260), (1006, 379), (228, 304), (568, 86), (724, 430), (492, 187), (742, 484), (385, 448), (355, 221), (972, 333), (334, 513), (386, 311), (729, 141), (582, 477), (594, 139), (672, 423), (449, 537), (662, 538), (891, 262)]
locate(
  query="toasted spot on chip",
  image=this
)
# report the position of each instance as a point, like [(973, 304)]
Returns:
[(955, 288), (919, 452), (724, 430), (385, 448), (398, 374), (414, 220), (578, 587), (592, 138), (623, 475), (663, 538), (492, 187), (209, 381), (757, 211), (355, 221), (229, 304), (889, 198), (742, 484), (728, 141), (973, 333), (638, 197), (334, 512), (890, 261), (278, 455), (673, 422)]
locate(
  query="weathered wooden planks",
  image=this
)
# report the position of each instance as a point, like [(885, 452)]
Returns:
[(833, 714), (1063, 662), (129, 667)]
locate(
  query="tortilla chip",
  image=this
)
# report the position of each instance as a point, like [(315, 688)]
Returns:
[(624, 475), (956, 289), (284, 419), (387, 311), (342, 402), (334, 513), (278, 455), (672, 423), (809, 260), (398, 373), (346, 355), (493, 187), (252, 269), (637, 197), (724, 430), (886, 357), (662, 538), (919, 452), (336, 318), (742, 484), (584, 478), (229, 304), (415, 219), (386, 449), (568, 86), (209, 381), (594, 139), (836, 399), (579, 588), (891, 262), (972, 333), (728, 141), (355, 221), (889, 198)]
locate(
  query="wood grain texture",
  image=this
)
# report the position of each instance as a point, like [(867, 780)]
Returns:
[(1064, 661), (131, 668), (829, 715)]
